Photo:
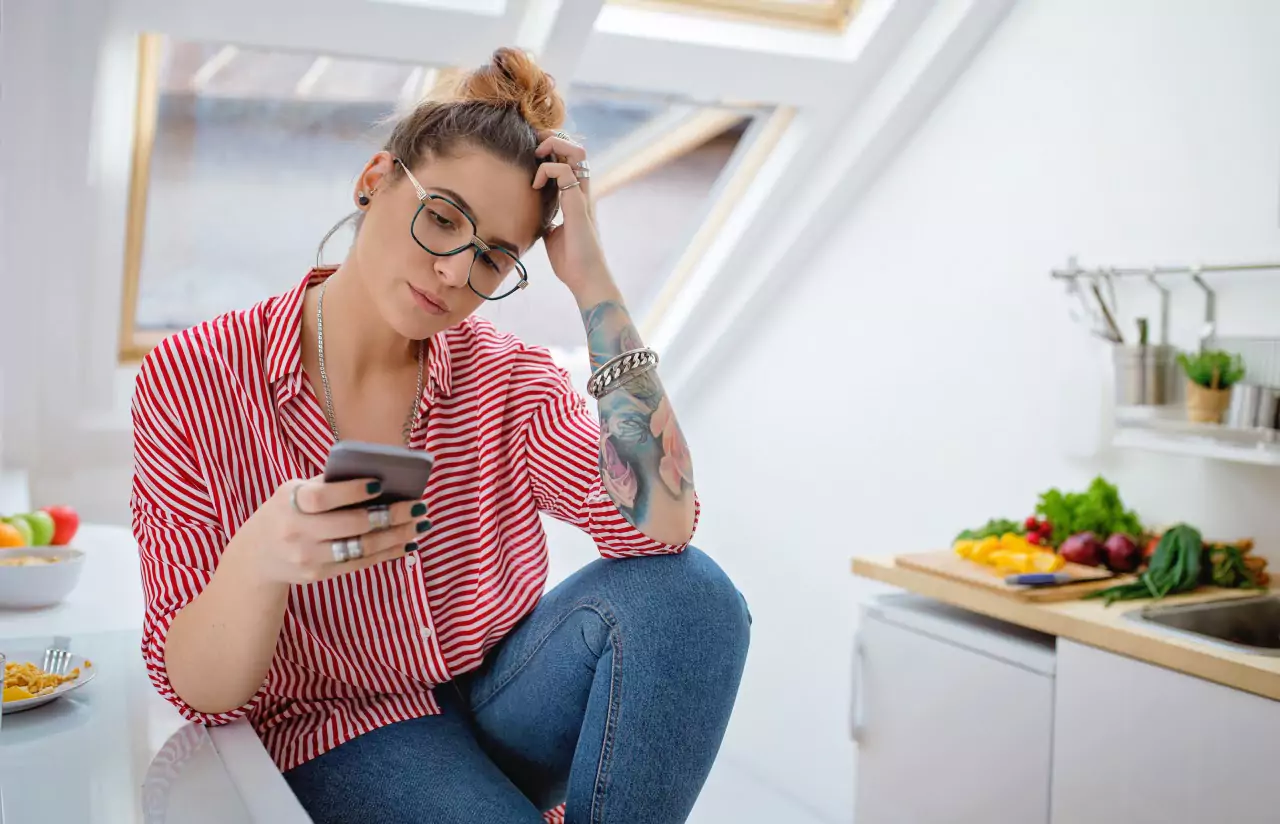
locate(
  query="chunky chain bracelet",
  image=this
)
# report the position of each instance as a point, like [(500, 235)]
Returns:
[(621, 369)]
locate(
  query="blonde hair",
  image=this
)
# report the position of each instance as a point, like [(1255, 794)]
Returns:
[(499, 107)]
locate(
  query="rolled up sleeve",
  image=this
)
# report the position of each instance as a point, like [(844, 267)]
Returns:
[(562, 446), (177, 531)]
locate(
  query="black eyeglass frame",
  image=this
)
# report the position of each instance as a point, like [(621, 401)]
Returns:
[(480, 247)]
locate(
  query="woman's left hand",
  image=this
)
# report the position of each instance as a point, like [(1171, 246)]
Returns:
[(574, 246)]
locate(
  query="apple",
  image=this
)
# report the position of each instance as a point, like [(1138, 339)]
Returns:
[(65, 523), (42, 527), (24, 529)]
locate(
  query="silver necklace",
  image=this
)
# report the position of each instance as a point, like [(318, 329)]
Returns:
[(415, 411)]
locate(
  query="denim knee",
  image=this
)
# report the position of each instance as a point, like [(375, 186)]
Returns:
[(693, 585)]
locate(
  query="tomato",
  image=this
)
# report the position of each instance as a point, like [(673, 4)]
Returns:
[(65, 524)]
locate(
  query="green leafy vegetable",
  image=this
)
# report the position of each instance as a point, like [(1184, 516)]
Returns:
[(1175, 567), (992, 528), (1098, 510), (1200, 368)]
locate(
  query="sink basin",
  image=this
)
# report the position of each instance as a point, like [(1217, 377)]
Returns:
[(1241, 624)]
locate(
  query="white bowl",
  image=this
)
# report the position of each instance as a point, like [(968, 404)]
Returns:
[(42, 585)]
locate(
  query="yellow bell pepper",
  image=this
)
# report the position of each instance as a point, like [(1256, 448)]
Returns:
[(1009, 561), (1044, 561), (983, 550), (964, 548), (1017, 543)]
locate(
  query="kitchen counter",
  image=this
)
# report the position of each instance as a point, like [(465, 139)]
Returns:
[(115, 752), (1089, 622)]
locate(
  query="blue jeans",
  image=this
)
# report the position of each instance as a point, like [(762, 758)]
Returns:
[(612, 695)]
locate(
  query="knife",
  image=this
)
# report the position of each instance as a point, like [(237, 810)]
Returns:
[(1039, 579)]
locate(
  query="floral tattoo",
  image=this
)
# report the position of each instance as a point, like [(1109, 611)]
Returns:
[(644, 459)]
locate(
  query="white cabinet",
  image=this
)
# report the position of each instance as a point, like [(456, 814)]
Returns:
[(952, 716), (1140, 744)]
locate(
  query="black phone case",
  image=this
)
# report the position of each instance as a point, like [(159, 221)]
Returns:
[(403, 472)]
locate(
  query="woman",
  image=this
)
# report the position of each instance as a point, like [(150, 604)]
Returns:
[(400, 668)]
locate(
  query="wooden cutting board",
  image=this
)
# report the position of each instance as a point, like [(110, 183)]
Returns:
[(949, 565)]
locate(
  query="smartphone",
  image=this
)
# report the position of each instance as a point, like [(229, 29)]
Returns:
[(403, 472)]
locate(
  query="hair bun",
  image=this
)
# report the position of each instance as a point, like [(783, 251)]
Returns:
[(512, 78)]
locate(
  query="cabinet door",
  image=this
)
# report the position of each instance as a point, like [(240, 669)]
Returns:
[(1135, 743), (948, 734)]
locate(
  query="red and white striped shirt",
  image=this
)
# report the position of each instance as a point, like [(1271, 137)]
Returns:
[(224, 414)]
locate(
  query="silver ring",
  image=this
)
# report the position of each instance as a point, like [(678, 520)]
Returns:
[(564, 136), (339, 550), (379, 517), (582, 174), (570, 186), (583, 165), (355, 549), (293, 499)]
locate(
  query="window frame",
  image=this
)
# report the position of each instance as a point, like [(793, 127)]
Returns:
[(834, 16), (132, 345)]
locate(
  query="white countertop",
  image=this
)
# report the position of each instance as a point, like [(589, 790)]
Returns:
[(108, 597), (114, 752)]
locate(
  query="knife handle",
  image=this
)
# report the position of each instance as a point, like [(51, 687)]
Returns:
[(1037, 579)]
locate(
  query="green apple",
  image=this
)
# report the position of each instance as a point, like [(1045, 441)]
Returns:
[(20, 523), (41, 524)]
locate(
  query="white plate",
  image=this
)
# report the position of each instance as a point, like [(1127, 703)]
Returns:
[(25, 656)]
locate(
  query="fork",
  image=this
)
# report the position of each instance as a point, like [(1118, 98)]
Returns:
[(57, 660)]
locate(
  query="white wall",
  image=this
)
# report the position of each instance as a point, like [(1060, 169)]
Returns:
[(921, 374)]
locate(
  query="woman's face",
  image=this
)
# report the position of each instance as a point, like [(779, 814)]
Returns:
[(420, 293)]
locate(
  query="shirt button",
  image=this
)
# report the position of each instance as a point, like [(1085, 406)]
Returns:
[(411, 561), (427, 632)]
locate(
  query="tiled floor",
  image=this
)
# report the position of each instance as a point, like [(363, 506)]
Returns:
[(735, 796)]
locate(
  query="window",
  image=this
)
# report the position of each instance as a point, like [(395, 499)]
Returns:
[(822, 14), (656, 166), (245, 158)]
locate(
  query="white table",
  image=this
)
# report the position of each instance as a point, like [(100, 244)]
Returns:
[(115, 752), (108, 597)]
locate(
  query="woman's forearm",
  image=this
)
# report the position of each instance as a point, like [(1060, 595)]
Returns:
[(220, 646), (644, 459)]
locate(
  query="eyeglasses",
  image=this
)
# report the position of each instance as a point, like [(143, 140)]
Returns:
[(443, 228)]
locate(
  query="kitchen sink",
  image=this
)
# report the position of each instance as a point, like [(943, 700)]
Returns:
[(1240, 624)]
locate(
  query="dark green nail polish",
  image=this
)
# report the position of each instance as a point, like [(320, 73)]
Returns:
[(423, 526), (374, 487), (419, 509), (410, 547)]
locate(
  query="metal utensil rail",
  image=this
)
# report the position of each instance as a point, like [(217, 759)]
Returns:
[(1101, 321)]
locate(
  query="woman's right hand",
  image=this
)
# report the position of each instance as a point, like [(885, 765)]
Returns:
[(290, 537)]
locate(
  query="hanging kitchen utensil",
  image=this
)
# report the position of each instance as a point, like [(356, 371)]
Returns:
[(1113, 328), (1209, 328), (1083, 309), (1164, 305)]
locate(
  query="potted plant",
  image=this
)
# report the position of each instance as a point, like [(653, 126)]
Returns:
[(1210, 376)]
